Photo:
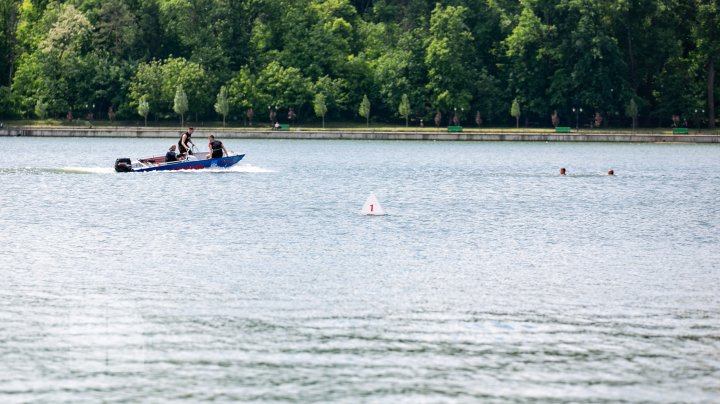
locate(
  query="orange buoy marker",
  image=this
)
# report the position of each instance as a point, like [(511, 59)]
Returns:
[(372, 206)]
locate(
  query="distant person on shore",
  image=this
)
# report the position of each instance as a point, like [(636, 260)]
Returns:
[(562, 171), (216, 148), (611, 172), (171, 155), (184, 141)]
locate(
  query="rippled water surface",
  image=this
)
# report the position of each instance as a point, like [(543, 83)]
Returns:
[(491, 279)]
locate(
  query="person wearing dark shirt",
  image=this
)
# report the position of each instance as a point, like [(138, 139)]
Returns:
[(216, 148), (171, 155), (184, 141)]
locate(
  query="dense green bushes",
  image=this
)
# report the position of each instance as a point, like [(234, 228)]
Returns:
[(470, 57)]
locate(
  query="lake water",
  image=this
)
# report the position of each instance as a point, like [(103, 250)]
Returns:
[(491, 278)]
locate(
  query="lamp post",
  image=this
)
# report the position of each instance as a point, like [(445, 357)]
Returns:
[(577, 112), (272, 113), (456, 117)]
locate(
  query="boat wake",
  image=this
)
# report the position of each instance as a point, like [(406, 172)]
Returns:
[(87, 170), (247, 168), (61, 170)]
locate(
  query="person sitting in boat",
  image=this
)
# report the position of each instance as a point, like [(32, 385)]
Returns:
[(216, 148), (171, 155), (184, 141)]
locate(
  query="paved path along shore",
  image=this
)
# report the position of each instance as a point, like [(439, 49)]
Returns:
[(441, 135)]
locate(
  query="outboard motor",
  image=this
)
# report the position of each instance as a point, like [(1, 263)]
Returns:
[(123, 165)]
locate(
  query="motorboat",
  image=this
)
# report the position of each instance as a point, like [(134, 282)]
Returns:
[(196, 161)]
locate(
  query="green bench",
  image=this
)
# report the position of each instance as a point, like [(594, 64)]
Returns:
[(455, 128), (563, 129), (283, 126), (680, 131)]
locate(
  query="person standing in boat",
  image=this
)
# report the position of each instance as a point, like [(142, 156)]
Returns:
[(183, 147), (216, 148)]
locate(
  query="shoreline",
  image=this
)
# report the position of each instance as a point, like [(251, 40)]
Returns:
[(434, 135)]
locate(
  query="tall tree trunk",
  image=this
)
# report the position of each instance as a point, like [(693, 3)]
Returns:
[(711, 93)]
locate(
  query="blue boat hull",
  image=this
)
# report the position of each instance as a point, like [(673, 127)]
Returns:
[(222, 162)]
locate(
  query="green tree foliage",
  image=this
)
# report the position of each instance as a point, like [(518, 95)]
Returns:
[(54, 68), (116, 29), (706, 32), (364, 109), (515, 112), (9, 14), (144, 108), (335, 92), (447, 58), (159, 82), (242, 90), (68, 34), (41, 109), (148, 85), (396, 60), (469, 55), (282, 87), (631, 111), (7, 102), (222, 105), (194, 80), (529, 52), (180, 105), (404, 108), (320, 107), (318, 36)]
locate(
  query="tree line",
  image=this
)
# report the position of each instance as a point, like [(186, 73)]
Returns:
[(485, 62)]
